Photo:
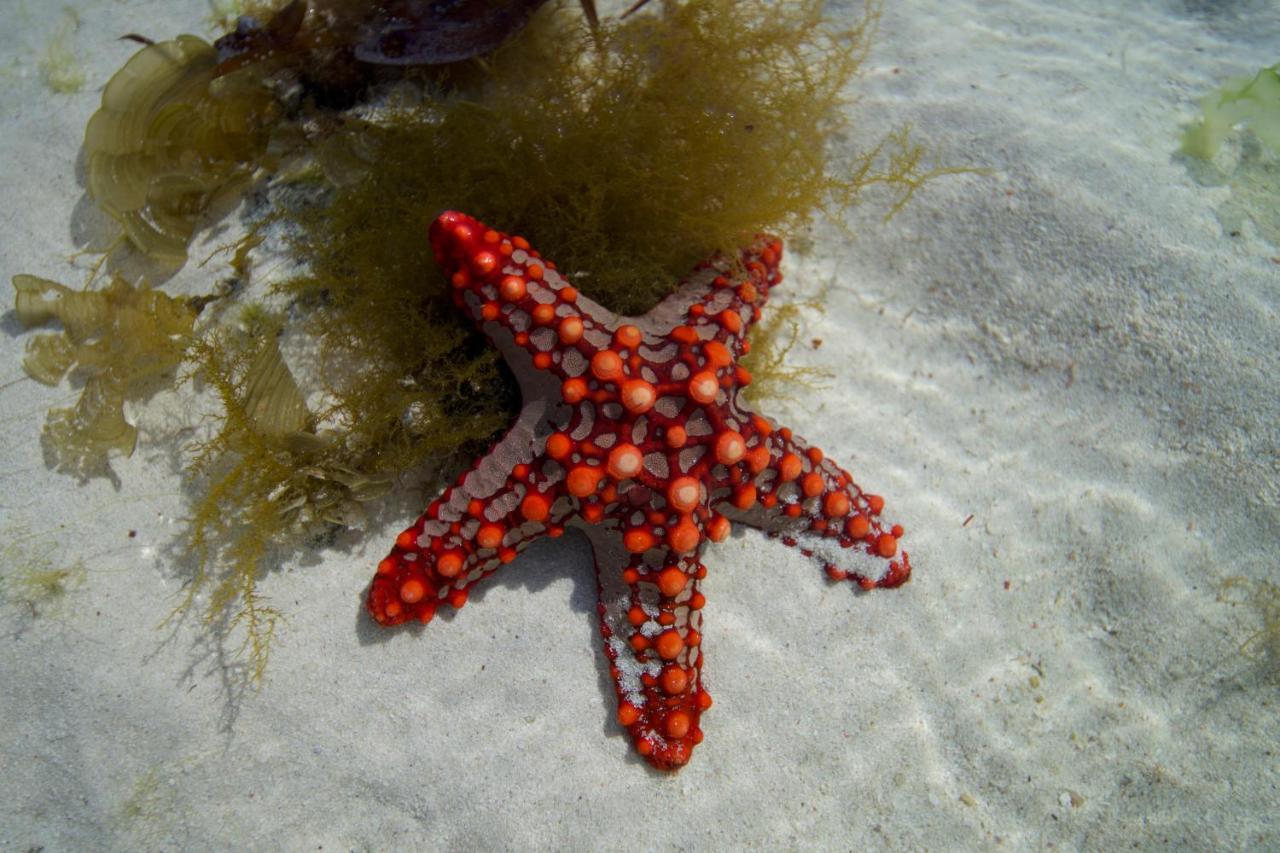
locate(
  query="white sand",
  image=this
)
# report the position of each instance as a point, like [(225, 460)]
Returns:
[(1070, 350)]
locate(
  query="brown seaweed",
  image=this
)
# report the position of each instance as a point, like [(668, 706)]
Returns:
[(169, 139), (119, 338)]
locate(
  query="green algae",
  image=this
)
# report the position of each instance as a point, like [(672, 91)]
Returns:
[(771, 342), (627, 154), (60, 68), (29, 577), (1250, 101), (153, 813), (1236, 143), (1261, 644), (46, 585), (145, 802)]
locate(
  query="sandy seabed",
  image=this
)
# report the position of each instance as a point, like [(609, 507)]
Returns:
[(1062, 375)]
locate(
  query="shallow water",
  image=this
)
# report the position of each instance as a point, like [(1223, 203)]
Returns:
[(1061, 374)]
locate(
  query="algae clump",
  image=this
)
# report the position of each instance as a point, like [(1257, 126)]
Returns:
[(1262, 645), (771, 342), (30, 578), (1252, 169), (1253, 101), (121, 339), (627, 156), (59, 67)]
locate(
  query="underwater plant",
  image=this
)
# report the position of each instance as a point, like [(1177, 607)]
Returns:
[(1252, 172), (120, 338), (59, 67), (30, 578), (184, 123), (631, 148), (1261, 645), (771, 343), (169, 139), (1252, 101)]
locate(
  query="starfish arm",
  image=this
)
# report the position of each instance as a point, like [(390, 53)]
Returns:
[(723, 297), (509, 497), (650, 618), (516, 297), (805, 498)]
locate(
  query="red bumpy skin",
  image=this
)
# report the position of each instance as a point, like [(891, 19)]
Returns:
[(634, 430)]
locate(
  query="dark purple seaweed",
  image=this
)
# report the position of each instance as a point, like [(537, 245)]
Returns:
[(435, 32)]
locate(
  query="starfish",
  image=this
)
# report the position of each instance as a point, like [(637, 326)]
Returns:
[(635, 431)]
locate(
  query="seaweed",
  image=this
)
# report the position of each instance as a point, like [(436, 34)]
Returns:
[(170, 141), (628, 155), (1252, 101), (1250, 168), (1261, 645), (628, 150), (59, 67), (155, 807), (771, 342), (120, 339), (269, 478), (31, 579)]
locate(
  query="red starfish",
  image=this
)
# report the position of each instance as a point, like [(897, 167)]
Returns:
[(635, 431)]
